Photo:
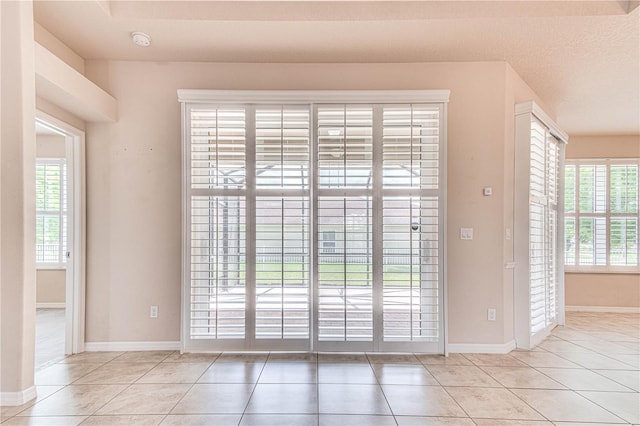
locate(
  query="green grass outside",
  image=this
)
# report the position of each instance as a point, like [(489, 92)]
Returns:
[(330, 273)]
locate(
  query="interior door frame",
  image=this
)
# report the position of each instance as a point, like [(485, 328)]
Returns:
[(75, 288)]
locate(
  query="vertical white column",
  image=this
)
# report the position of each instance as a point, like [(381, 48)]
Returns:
[(17, 205)]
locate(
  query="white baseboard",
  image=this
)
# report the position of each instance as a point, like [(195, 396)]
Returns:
[(131, 346), (17, 398), (613, 309), (481, 348), (51, 305)]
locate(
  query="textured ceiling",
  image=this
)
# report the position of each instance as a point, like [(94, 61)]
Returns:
[(581, 57)]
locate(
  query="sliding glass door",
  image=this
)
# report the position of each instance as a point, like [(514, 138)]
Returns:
[(313, 227)]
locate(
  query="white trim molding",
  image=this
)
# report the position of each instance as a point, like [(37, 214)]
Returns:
[(51, 305), (611, 309), (13, 399), (132, 346), (531, 107), (312, 96), (481, 348)]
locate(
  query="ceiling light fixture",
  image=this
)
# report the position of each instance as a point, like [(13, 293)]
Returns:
[(140, 39)]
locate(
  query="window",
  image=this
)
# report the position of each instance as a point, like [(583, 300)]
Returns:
[(313, 225), (51, 213), (601, 215)]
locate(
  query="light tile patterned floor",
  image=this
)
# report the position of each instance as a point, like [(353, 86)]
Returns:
[(586, 372)]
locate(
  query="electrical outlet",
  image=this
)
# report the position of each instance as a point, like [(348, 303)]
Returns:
[(153, 311), (507, 233), (491, 314)]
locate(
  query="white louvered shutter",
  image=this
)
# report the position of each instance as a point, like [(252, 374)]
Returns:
[(543, 227), (218, 223), (623, 202), (282, 222), (410, 223), (344, 223), (537, 231), (570, 246), (51, 212), (551, 240)]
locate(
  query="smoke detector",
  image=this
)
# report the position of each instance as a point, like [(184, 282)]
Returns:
[(140, 39)]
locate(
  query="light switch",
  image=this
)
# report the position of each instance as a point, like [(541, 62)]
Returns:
[(487, 191), (466, 233)]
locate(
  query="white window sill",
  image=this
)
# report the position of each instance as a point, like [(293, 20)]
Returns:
[(602, 271), (50, 267)]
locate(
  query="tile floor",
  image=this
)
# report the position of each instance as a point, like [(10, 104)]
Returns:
[(586, 372)]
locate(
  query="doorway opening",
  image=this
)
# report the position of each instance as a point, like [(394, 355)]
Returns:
[(60, 242)]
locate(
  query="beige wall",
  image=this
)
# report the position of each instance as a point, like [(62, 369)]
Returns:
[(17, 201), (50, 146), (134, 184), (603, 290), (603, 146), (609, 290), (50, 285)]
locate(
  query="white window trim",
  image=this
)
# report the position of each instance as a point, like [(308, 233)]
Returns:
[(188, 98), (608, 268), (61, 264), (311, 96)]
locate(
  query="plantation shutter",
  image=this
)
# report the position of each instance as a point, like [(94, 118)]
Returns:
[(539, 273), (344, 223), (601, 219), (313, 226), (410, 164), (623, 234), (282, 222), (51, 212), (218, 222), (543, 230), (539, 255), (592, 196)]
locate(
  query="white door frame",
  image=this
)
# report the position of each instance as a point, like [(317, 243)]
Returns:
[(76, 226)]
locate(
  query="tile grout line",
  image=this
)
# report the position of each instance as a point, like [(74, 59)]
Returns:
[(447, 392), (127, 385), (188, 390), (604, 408), (65, 386), (373, 370), (255, 385)]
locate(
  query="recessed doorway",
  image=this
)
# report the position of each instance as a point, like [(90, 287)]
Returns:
[(59, 175)]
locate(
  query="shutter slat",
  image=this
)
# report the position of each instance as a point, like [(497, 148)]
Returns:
[(218, 288)]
